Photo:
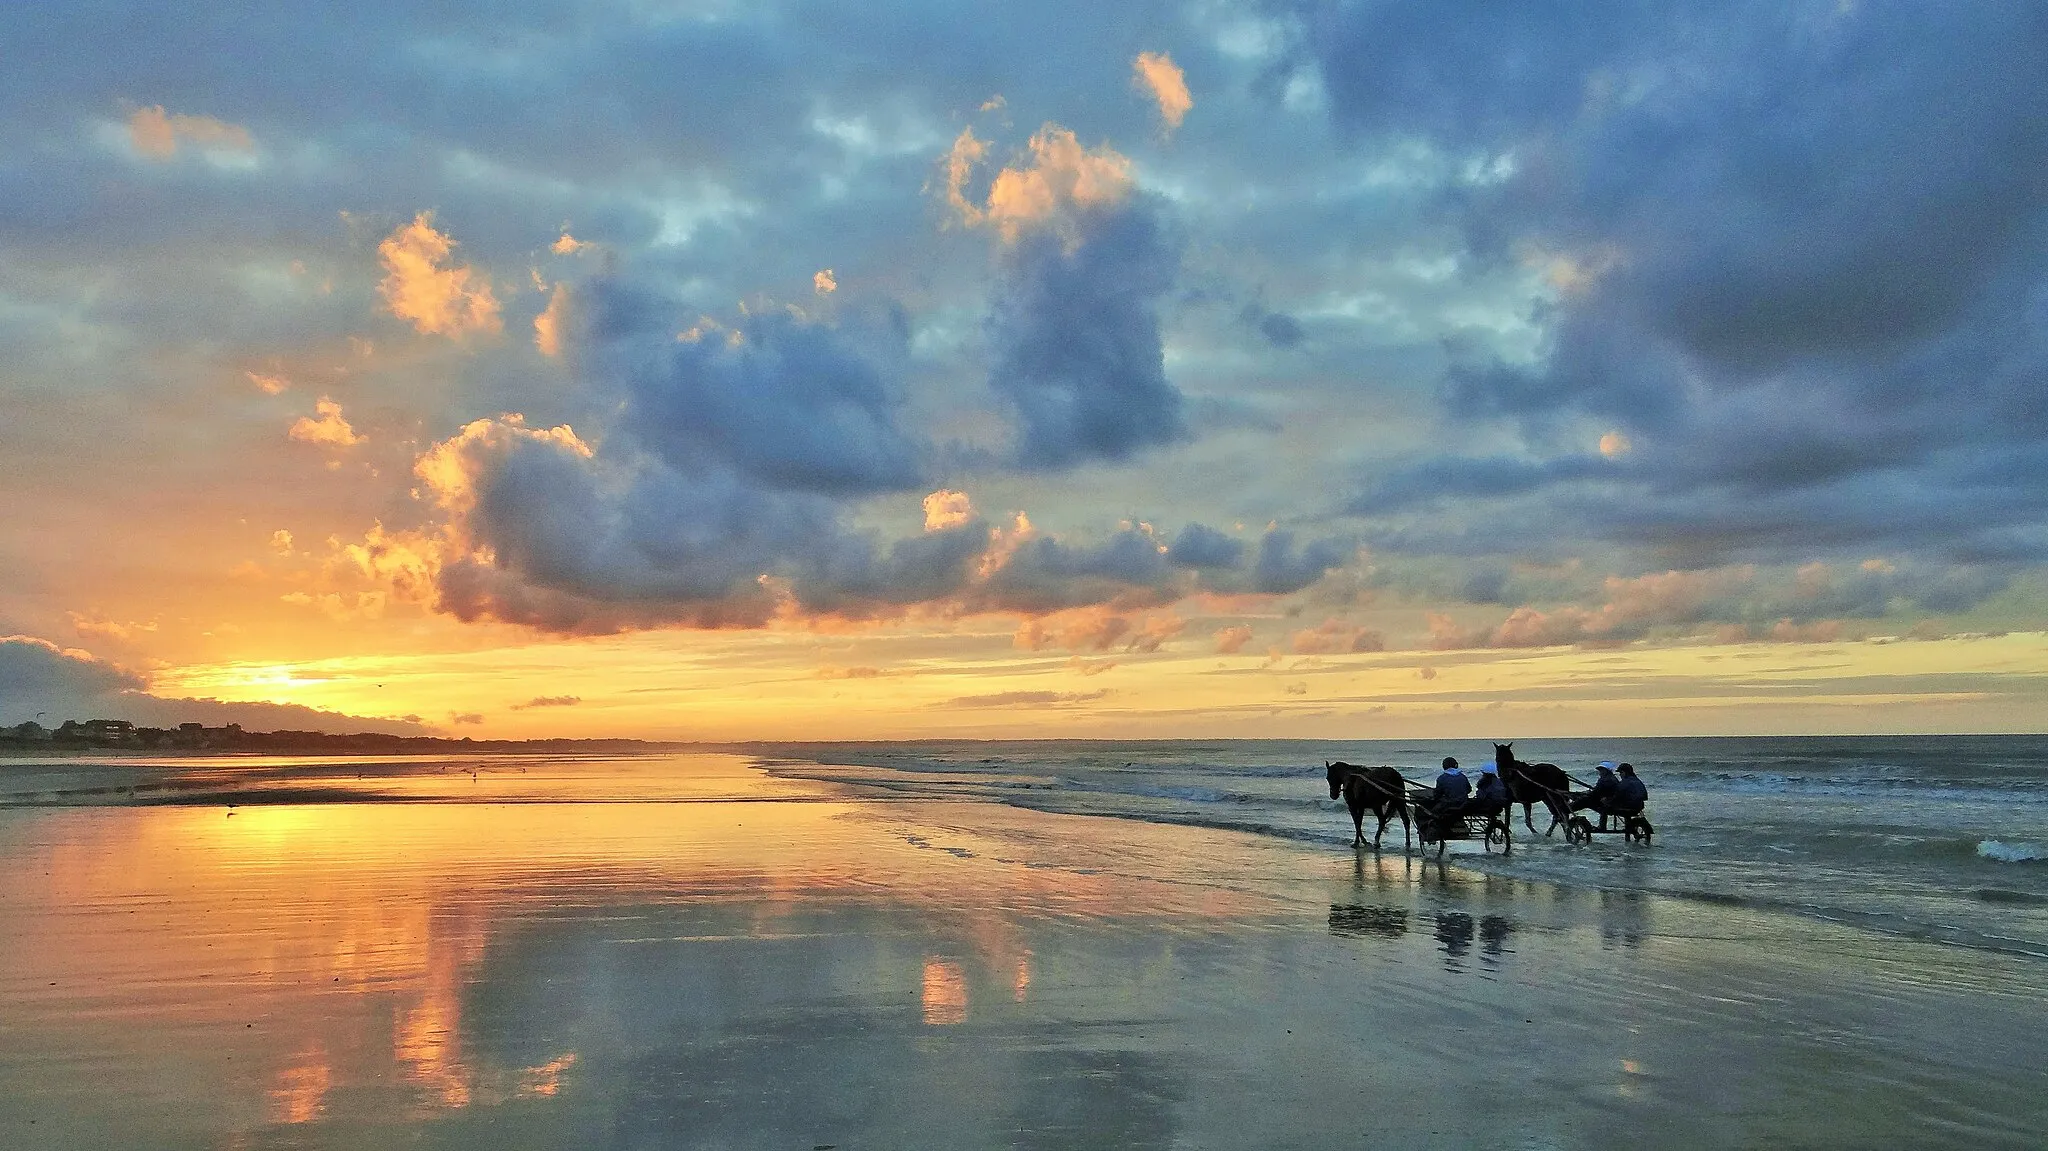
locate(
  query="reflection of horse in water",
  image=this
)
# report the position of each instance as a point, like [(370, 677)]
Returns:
[(1374, 789), (1359, 921), (1533, 783)]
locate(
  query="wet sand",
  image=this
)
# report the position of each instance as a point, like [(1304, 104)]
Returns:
[(700, 956)]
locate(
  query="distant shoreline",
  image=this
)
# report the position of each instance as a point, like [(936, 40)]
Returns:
[(299, 743)]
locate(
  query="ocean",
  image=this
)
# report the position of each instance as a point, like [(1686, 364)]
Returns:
[(1940, 838)]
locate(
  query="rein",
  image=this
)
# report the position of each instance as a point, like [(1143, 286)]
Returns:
[(1532, 782)]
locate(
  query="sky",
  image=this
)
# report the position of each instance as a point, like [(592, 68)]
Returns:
[(790, 370)]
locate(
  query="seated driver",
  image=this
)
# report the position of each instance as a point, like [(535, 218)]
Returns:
[(1452, 790), (1630, 793), (1491, 796), (1601, 796)]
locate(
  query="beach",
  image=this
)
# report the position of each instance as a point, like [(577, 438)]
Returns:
[(703, 951)]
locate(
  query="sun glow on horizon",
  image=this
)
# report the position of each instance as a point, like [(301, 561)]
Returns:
[(760, 686)]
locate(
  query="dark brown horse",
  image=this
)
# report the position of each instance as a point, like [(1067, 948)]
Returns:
[(1533, 783), (1379, 790)]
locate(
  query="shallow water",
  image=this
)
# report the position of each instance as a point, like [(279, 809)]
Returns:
[(1943, 838), (644, 953)]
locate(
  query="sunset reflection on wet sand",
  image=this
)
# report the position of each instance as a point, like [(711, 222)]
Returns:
[(712, 957)]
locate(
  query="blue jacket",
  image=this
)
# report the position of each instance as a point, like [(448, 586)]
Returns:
[(1453, 787), (1604, 790), (1491, 790), (1630, 794)]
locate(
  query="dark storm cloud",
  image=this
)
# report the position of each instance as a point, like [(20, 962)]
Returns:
[(1201, 546), (782, 401), (722, 485), (1282, 568), (597, 540), (1074, 327), (1045, 574), (1454, 478), (1803, 253)]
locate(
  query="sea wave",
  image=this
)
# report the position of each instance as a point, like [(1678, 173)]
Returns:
[(2005, 852)]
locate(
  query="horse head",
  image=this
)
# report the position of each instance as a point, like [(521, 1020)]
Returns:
[(1336, 773), (1503, 755)]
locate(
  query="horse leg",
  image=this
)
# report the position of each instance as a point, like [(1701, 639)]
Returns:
[(1528, 816), (1379, 830), (1556, 816), (1358, 827)]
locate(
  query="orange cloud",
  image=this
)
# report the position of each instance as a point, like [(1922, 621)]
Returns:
[(1059, 177), (1156, 73), (1335, 637), (408, 562), (547, 327), (268, 385), (1155, 631), (946, 508), (1097, 629), (421, 288), (155, 133), (1231, 640), (568, 245), (330, 428), (825, 283), (450, 467)]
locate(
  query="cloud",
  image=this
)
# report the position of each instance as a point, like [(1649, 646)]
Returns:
[(460, 718), (1035, 573), (1098, 628), (1201, 546), (1061, 181), (422, 288), (568, 245), (1734, 603), (547, 327), (1074, 330), (548, 701), (68, 683), (1013, 699), (1231, 640), (1084, 261), (542, 528), (329, 428), (1802, 263), (947, 509), (268, 385), (785, 402), (155, 134), (1281, 568), (824, 283), (1157, 74), (1336, 637)]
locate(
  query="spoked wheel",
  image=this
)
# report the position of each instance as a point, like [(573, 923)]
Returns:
[(1498, 830)]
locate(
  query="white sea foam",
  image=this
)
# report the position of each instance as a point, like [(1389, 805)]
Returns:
[(2012, 852)]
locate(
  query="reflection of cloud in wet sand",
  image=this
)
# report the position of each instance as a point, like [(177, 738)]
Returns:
[(298, 1093), (945, 993), (797, 973)]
